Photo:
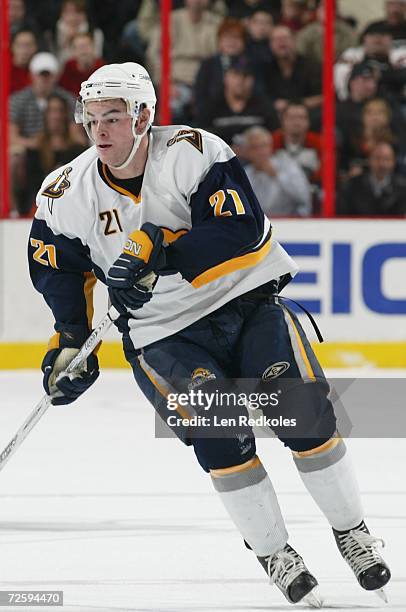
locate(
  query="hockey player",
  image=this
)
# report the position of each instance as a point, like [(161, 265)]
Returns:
[(166, 217)]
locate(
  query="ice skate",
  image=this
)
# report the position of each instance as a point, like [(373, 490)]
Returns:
[(358, 548), (287, 570)]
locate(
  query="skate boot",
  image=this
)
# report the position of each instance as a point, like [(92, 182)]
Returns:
[(287, 570), (358, 548)]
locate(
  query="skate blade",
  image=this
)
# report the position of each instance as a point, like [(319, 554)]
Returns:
[(314, 598), (381, 594)]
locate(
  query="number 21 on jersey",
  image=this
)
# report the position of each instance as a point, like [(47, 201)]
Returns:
[(44, 254), (218, 199)]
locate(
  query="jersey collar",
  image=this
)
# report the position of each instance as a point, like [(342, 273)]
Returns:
[(114, 183)]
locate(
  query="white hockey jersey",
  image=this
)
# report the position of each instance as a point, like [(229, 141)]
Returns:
[(193, 186)]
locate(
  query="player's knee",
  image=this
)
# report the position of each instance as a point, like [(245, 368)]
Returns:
[(311, 416), (321, 455), (218, 453)]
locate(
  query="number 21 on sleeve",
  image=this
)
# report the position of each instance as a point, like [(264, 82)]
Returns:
[(45, 254), (218, 199)]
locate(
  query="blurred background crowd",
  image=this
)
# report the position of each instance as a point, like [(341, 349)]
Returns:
[(247, 70)]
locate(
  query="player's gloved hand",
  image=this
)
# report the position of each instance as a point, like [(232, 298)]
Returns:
[(62, 387), (133, 275)]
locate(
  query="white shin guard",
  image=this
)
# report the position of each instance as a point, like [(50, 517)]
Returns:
[(329, 477), (250, 499)]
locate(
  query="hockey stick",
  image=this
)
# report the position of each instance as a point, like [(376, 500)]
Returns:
[(40, 409)]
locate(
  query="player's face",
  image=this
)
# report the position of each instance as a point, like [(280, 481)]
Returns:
[(110, 127)]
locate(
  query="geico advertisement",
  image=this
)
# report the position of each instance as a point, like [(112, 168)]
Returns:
[(352, 279), (352, 275)]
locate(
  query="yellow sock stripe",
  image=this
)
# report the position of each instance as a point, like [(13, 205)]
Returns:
[(164, 392), (238, 263), (249, 465), (332, 443), (302, 349)]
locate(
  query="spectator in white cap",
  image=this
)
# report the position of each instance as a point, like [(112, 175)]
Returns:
[(27, 108)]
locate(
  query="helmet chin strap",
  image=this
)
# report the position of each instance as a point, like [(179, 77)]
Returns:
[(136, 144)]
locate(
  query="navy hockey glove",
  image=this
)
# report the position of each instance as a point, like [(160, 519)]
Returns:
[(66, 388), (133, 275)]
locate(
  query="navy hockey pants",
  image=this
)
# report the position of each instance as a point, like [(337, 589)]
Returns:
[(253, 337)]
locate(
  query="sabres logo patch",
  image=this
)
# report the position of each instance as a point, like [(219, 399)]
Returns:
[(192, 136), (275, 370), (200, 376), (57, 188)]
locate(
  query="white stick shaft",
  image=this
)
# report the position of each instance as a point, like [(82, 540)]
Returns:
[(40, 409)]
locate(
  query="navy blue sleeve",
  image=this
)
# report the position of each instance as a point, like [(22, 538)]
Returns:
[(61, 269), (227, 223)]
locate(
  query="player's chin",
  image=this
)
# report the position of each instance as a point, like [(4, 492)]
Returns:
[(106, 154)]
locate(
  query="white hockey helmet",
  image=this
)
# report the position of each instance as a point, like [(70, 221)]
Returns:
[(129, 82)]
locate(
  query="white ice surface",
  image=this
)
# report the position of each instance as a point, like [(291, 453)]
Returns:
[(94, 505)]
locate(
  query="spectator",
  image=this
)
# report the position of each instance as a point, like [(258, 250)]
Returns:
[(111, 17), (46, 13), (299, 143), (132, 44), (375, 126), (147, 19), (19, 19), (310, 38), (241, 9), (379, 190), (73, 20), (56, 146), (209, 80), (27, 106), (376, 50), (362, 86), (27, 118), (23, 47), (148, 14), (238, 107), (295, 14), (84, 61), (395, 20), (290, 75), (277, 180), (259, 29), (193, 38)]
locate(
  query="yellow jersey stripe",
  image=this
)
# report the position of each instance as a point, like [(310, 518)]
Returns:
[(171, 236), (53, 342), (163, 391), (90, 281), (301, 347), (232, 265)]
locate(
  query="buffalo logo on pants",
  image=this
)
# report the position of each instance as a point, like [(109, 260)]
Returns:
[(275, 370), (200, 376)]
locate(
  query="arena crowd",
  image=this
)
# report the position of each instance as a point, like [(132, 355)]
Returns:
[(247, 70)]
